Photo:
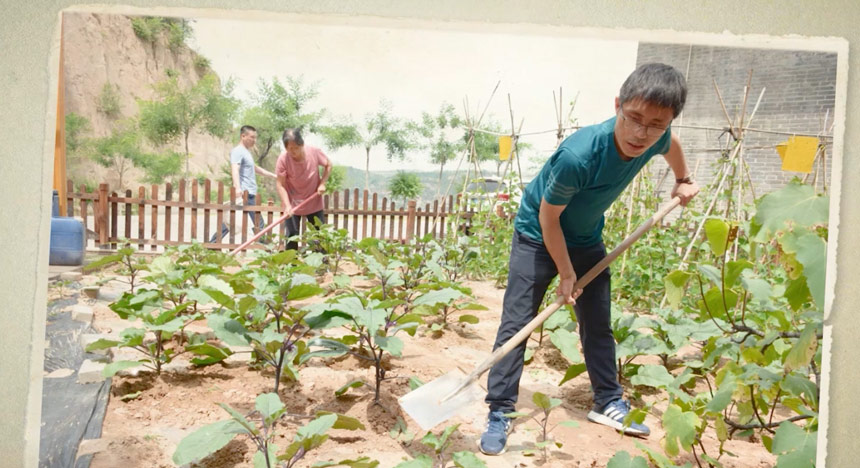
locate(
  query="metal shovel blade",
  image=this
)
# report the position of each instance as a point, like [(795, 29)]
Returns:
[(424, 404)]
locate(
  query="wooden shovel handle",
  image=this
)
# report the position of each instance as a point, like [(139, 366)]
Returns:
[(521, 335), (271, 226)]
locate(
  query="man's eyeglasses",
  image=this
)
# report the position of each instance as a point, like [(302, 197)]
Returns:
[(635, 126)]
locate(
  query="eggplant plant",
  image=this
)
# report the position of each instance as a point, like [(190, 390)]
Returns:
[(264, 318), (261, 427), (545, 404), (154, 338), (766, 304), (373, 325), (441, 446)]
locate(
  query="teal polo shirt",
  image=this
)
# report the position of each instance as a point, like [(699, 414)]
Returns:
[(587, 174)]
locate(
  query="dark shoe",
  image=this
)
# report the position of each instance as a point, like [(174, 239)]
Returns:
[(495, 437)]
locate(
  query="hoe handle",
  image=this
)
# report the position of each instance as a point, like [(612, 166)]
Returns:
[(271, 226), (521, 335)]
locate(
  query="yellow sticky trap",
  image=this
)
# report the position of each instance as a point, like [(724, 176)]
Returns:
[(504, 147), (798, 153)]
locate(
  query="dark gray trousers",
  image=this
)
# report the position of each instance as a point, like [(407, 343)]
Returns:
[(292, 225), (531, 270)]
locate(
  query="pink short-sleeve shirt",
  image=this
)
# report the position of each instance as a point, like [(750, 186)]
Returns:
[(303, 178)]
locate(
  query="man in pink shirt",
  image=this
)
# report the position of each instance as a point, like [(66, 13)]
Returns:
[(298, 179)]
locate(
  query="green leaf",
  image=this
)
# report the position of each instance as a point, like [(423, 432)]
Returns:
[(652, 376), (544, 402), (723, 395), (734, 270), (466, 318), (101, 343), (111, 369), (811, 251), (415, 382), (304, 291), (421, 461), (205, 441), (623, 459), (801, 386), (711, 273), (101, 262), (228, 330), (392, 344), (680, 429), (343, 421), (318, 426), (319, 320), (215, 353), (797, 293), (466, 459), (269, 405), (572, 372), (717, 232), (362, 462), (760, 289), (675, 283), (717, 302), (567, 343), (222, 299), (130, 396), (803, 350), (795, 447), (445, 296), (796, 203), (210, 282), (246, 426), (352, 384)]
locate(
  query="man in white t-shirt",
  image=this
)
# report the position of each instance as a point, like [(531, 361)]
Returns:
[(243, 171)]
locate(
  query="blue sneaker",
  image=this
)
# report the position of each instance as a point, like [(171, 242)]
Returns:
[(613, 415), (495, 437)]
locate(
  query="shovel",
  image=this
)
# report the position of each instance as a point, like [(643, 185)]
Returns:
[(443, 397), (271, 226)]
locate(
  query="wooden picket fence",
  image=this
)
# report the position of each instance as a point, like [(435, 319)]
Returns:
[(156, 218)]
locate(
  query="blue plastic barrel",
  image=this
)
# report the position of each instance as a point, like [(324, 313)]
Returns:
[(67, 242)]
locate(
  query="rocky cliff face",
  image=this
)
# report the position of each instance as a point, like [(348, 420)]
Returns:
[(103, 48)]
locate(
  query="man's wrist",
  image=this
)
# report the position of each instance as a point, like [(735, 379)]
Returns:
[(684, 180)]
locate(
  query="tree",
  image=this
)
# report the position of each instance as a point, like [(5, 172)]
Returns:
[(336, 178), (117, 151), (434, 131), (76, 126), (277, 106), (380, 128), (176, 112), (405, 185)]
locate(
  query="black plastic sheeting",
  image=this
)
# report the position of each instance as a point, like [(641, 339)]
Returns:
[(71, 411)]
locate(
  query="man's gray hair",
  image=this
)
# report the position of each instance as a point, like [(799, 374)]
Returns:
[(658, 84)]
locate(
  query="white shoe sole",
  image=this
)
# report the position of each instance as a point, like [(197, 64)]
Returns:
[(598, 418), (508, 432), (478, 443)]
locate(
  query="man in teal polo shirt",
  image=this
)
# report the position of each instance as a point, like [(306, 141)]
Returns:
[(558, 231)]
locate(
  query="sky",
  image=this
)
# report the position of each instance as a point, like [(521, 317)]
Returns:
[(357, 64)]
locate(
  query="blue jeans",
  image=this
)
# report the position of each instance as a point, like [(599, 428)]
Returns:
[(252, 199), (531, 269)]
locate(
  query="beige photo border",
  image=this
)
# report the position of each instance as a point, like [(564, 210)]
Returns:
[(29, 77)]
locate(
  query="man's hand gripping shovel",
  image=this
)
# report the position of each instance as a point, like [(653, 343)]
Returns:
[(443, 397)]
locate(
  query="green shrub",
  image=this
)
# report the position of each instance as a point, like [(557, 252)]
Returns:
[(147, 27), (108, 100)]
